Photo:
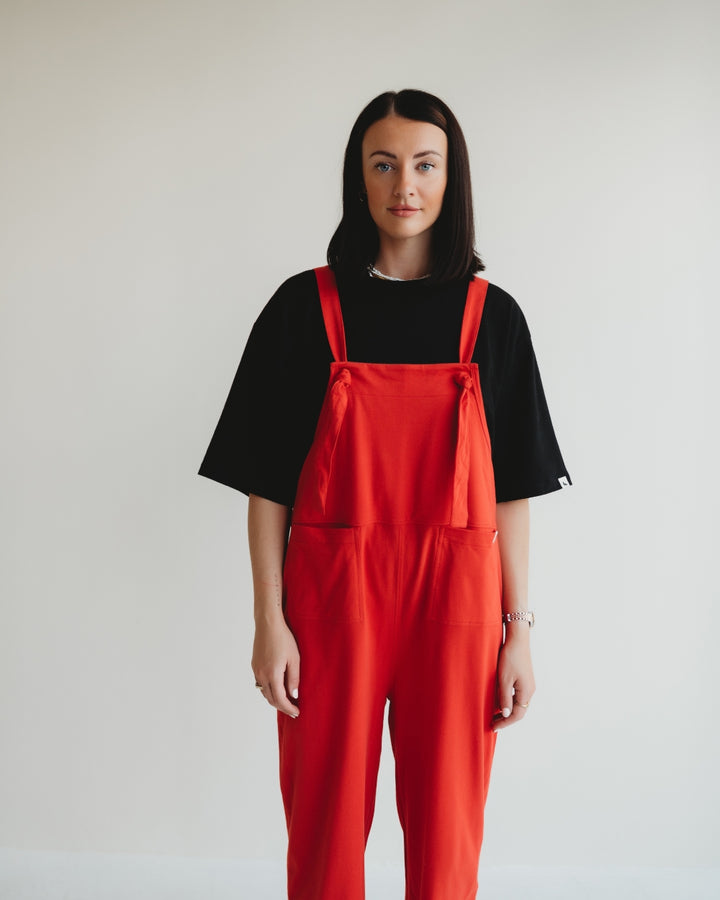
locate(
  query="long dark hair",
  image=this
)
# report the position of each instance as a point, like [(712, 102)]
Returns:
[(355, 243)]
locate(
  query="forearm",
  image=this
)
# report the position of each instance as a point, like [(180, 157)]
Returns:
[(276, 661), (516, 682), (513, 522), (268, 524)]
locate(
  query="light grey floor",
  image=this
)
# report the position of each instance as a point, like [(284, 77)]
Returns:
[(27, 875)]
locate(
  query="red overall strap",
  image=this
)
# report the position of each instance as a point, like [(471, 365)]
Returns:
[(474, 304), (332, 315)]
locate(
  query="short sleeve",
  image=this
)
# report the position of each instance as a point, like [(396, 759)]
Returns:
[(267, 423), (526, 456)]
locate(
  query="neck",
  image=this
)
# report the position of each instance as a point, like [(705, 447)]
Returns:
[(405, 259)]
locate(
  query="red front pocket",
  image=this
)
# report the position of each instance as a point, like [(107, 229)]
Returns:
[(467, 582), (321, 578)]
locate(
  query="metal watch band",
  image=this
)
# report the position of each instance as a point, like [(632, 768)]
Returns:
[(525, 615)]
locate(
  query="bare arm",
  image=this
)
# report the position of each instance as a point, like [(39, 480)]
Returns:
[(514, 665), (275, 660)]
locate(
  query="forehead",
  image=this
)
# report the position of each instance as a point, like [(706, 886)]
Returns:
[(397, 135)]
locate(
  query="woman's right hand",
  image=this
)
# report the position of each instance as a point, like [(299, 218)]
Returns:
[(276, 664)]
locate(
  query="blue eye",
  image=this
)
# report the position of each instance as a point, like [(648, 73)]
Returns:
[(383, 167), (426, 166)]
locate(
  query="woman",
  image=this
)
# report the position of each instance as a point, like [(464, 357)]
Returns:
[(404, 477)]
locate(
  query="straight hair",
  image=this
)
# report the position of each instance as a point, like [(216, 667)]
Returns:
[(355, 244)]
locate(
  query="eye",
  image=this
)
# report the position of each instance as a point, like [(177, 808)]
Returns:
[(383, 167), (426, 166)]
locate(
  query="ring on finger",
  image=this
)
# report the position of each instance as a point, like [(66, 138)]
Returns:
[(524, 705)]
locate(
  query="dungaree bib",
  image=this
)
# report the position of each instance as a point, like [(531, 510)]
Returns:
[(392, 588)]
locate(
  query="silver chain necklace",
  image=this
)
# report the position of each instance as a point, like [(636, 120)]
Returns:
[(378, 274)]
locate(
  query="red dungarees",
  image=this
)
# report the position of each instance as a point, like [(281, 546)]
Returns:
[(393, 592)]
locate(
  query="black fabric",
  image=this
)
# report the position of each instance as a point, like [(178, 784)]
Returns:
[(267, 424)]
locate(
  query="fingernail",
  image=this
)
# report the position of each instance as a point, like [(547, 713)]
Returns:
[(295, 693), (506, 712)]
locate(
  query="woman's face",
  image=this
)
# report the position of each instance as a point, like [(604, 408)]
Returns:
[(405, 174)]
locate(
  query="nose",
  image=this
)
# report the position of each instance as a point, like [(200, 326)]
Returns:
[(404, 185)]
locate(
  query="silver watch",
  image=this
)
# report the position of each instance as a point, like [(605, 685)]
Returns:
[(525, 615)]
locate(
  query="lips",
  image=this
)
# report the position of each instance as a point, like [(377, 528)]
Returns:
[(403, 210)]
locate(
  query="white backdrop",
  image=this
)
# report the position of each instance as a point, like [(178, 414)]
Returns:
[(165, 165)]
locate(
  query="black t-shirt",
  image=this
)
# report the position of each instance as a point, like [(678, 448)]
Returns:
[(269, 418)]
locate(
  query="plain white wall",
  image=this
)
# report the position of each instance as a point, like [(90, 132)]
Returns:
[(165, 165)]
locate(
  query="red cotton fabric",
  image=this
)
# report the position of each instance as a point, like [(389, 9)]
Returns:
[(392, 588)]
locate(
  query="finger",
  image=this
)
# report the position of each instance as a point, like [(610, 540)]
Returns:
[(260, 682), (519, 710), (505, 698), (501, 721), (521, 701), (280, 698), (292, 678)]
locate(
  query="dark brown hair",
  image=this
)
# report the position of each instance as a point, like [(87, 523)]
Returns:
[(355, 243)]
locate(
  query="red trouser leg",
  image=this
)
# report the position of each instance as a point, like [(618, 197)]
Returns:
[(329, 760), (441, 704), (443, 745), (329, 755)]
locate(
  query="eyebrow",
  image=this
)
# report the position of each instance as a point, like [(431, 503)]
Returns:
[(416, 156)]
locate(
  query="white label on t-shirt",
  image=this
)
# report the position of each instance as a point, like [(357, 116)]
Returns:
[(563, 481)]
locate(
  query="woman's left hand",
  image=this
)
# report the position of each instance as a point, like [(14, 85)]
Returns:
[(515, 679)]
